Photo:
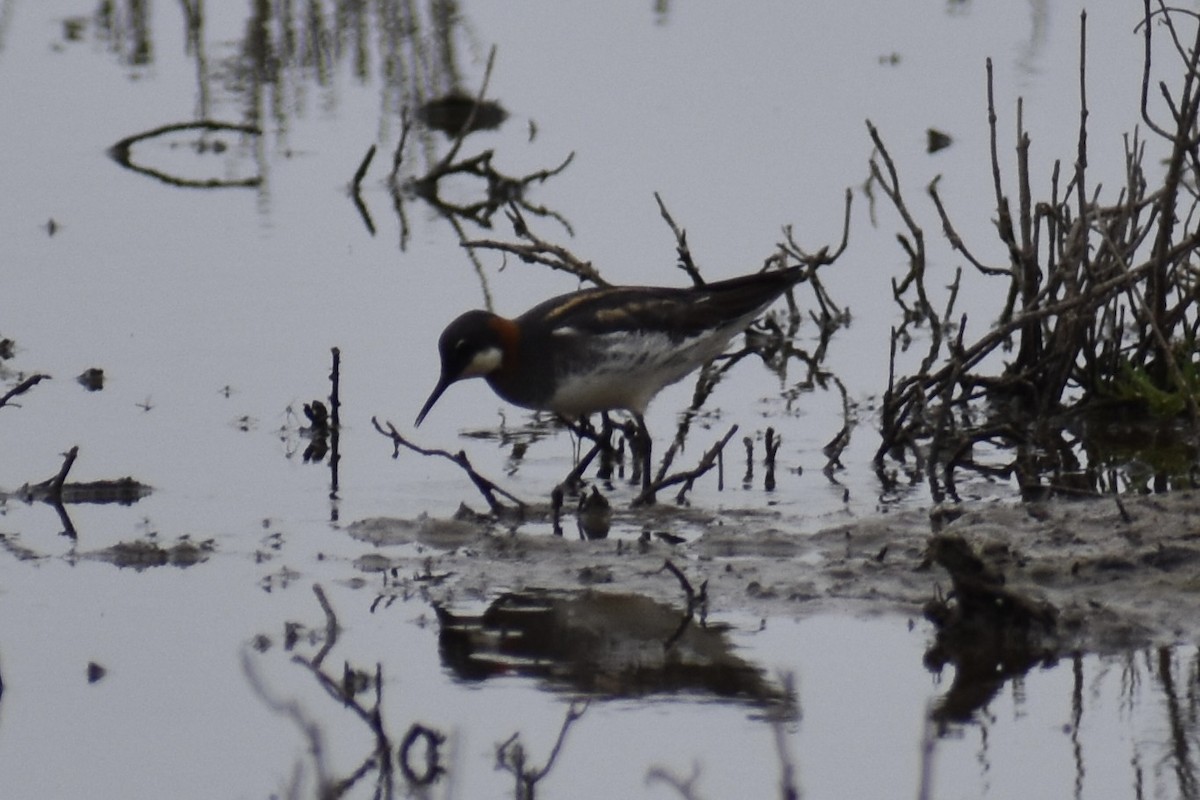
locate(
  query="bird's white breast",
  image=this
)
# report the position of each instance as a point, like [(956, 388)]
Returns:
[(626, 369)]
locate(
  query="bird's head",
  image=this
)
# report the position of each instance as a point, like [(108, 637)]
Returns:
[(471, 347)]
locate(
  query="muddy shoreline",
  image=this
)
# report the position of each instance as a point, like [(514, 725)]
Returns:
[(1120, 575)]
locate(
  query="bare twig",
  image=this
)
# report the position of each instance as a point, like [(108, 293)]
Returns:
[(361, 172), (294, 711), (21, 388), (53, 487), (335, 430), (512, 758), (433, 768), (487, 488), (695, 599), (914, 245), (121, 152), (452, 153), (398, 155), (687, 478), (681, 246), (686, 787), (537, 250), (1072, 309), (952, 235), (331, 626)]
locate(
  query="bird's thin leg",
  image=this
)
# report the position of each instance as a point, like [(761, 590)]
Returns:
[(643, 437), (583, 429), (607, 455)]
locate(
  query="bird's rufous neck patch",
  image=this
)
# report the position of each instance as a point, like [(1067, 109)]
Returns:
[(509, 335)]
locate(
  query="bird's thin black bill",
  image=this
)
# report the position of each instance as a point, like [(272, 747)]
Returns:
[(433, 398)]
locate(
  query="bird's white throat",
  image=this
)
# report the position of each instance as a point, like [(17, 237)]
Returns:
[(485, 362)]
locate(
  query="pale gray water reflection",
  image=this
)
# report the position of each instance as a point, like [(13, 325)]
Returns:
[(152, 652)]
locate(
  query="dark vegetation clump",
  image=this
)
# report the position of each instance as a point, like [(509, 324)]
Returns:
[(1097, 333)]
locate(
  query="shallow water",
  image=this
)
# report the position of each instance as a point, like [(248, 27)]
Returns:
[(212, 313)]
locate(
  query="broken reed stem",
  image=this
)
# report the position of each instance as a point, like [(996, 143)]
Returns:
[(338, 691), (1139, 302), (335, 399), (830, 310), (1081, 157), (771, 445), (748, 478), (335, 430), (706, 381)]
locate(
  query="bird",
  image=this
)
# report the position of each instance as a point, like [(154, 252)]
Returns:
[(606, 348)]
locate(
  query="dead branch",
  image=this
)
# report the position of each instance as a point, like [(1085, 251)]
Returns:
[(398, 154), (121, 152), (52, 488), (512, 758), (953, 237), (686, 787), (771, 444), (487, 488), (833, 450), (695, 599), (535, 250), (822, 257), (433, 741), (331, 626), (1102, 264), (21, 388), (914, 244), (687, 478), (344, 692), (470, 119), (356, 182), (684, 252), (294, 711)]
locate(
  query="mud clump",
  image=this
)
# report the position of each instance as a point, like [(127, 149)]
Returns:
[(988, 631)]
